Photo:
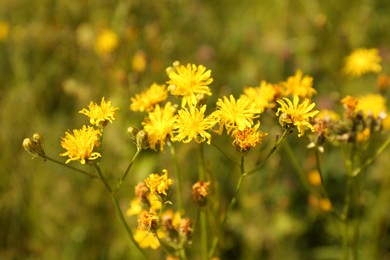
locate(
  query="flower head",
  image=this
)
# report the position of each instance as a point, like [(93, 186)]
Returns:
[(293, 113), (235, 114), (362, 61), (159, 183), (80, 144), (146, 101), (299, 85), (159, 125), (263, 96), (248, 138), (372, 105), (190, 82), (200, 192), (148, 221), (146, 239), (106, 42), (100, 115), (192, 124)]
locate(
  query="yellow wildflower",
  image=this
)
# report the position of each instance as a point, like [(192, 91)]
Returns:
[(138, 63), (248, 138), (235, 114), (372, 105), (100, 115), (138, 204), (362, 61), (4, 30), (146, 100), (293, 113), (106, 42), (80, 144), (147, 239), (263, 96), (299, 86), (314, 178), (327, 116), (159, 183), (190, 82), (192, 124), (159, 125)]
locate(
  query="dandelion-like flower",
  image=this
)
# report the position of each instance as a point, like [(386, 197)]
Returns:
[(299, 85), (372, 105), (235, 114), (191, 124), (362, 61), (189, 82), (159, 183), (100, 115), (248, 138), (146, 100), (80, 144), (263, 96), (159, 124), (293, 113), (106, 42)]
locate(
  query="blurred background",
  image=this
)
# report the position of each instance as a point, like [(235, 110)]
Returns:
[(57, 56)]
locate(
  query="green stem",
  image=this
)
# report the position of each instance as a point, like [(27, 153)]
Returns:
[(178, 178), (45, 157), (203, 212), (127, 170)]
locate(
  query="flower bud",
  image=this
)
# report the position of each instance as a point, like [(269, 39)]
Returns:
[(132, 131), (34, 145), (141, 140)]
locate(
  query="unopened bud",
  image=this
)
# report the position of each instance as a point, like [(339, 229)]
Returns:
[(34, 145), (132, 131), (141, 140)]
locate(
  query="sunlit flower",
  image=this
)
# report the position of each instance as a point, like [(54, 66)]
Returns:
[(189, 82), (299, 85), (100, 115), (372, 105), (248, 138), (192, 124), (146, 100), (362, 61), (80, 144), (263, 96), (148, 221), (159, 125), (235, 114), (159, 183), (147, 239), (4, 30), (106, 42), (293, 113)]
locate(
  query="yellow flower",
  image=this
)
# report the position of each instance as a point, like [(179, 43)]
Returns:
[(159, 183), (327, 115), (159, 125), (363, 135), (106, 42), (293, 113), (138, 63), (362, 61), (80, 144), (263, 96), (372, 105), (299, 86), (190, 82), (149, 98), (136, 205), (147, 239), (100, 115), (4, 30), (314, 178), (248, 138), (235, 114), (192, 124), (148, 221)]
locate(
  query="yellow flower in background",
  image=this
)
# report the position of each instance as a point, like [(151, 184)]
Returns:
[(159, 124), (80, 144), (235, 114), (4, 30), (293, 113), (263, 96), (136, 205), (248, 138), (299, 85), (100, 115), (106, 42), (138, 64), (362, 61), (372, 105), (189, 82), (147, 239), (191, 124), (159, 183), (327, 115), (146, 100)]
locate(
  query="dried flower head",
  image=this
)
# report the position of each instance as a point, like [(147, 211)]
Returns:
[(100, 115), (148, 221), (248, 138), (200, 191)]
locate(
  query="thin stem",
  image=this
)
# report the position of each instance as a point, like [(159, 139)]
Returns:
[(203, 212), (91, 175), (225, 154), (178, 178), (121, 180)]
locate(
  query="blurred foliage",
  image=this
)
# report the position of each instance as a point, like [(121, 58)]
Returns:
[(50, 68)]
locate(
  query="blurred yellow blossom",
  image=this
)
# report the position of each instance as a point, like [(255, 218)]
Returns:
[(299, 85), (138, 64), (148, 221), (146, 239), (106, 42), (248, 138), (293, 113), (159, 183), (4, 30), (189, 82), (362, 61), (136, 205), (80, 144), (314, 178), (235, 114), (159, 124), (372, 105), (327, 115), (263, 96), (146, 100), (192, 124), (363, 135), (100, 115)]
